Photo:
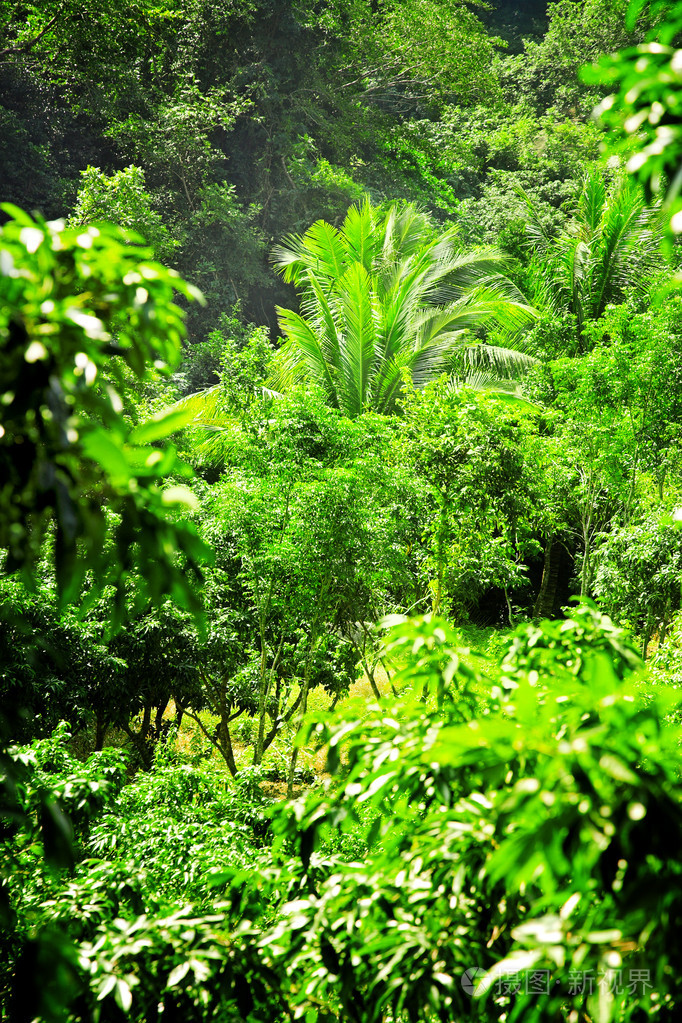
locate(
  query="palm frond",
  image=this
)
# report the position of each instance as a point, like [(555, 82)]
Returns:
[(569, 275), (207, 406), (629, 250), (482, 307), (396, 324), (217, 444), (437, 356), (406, 229), (289, 258), (506, 391), (326, 250), (504, 363), (545, 296), (592, 201), (320, 250), (214, 428), (360, 235), (387, 384), (323, 317), (617, 231), (304, 350), (357, 348), (611, 248), (537, 236), (287, 369)]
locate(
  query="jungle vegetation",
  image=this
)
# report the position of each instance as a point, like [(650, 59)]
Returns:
[(340, 511)]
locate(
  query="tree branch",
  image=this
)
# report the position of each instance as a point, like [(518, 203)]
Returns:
[(28, 45)]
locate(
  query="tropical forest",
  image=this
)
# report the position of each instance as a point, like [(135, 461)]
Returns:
[(340, 511)]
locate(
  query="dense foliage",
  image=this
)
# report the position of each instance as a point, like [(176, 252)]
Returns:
[(310, 707)]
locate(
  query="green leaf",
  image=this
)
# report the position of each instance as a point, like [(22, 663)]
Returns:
[(162, 425), (123, 996), (177, 974), (107, 986), (99, 446)]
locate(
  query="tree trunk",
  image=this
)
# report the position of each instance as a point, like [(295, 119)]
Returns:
[(544, 605), (646, 636), (440, 558), (101, 729), (226, 747), (586, 570), (303, 694), (159, 722), (510, 613), (144, 750), (146, 722), (262, 703)]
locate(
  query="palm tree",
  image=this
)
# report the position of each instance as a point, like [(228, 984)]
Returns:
[(385, 295), (609, 250)]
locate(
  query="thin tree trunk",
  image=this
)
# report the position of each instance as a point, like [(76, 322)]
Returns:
[(146, 720), (509, 607), (262, 696), (440, 557), (369, 672), (142, 747), (264, 679), (544, 605), (585, 570), (281, 719), (226, 747), (633, 485), (158, 721), (267, 678), (388, 676), (304, 707), (646, 636), (314, 632), (101, 729), (661, 483)]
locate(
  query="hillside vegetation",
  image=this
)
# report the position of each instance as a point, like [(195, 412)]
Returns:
[(340, 511)]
